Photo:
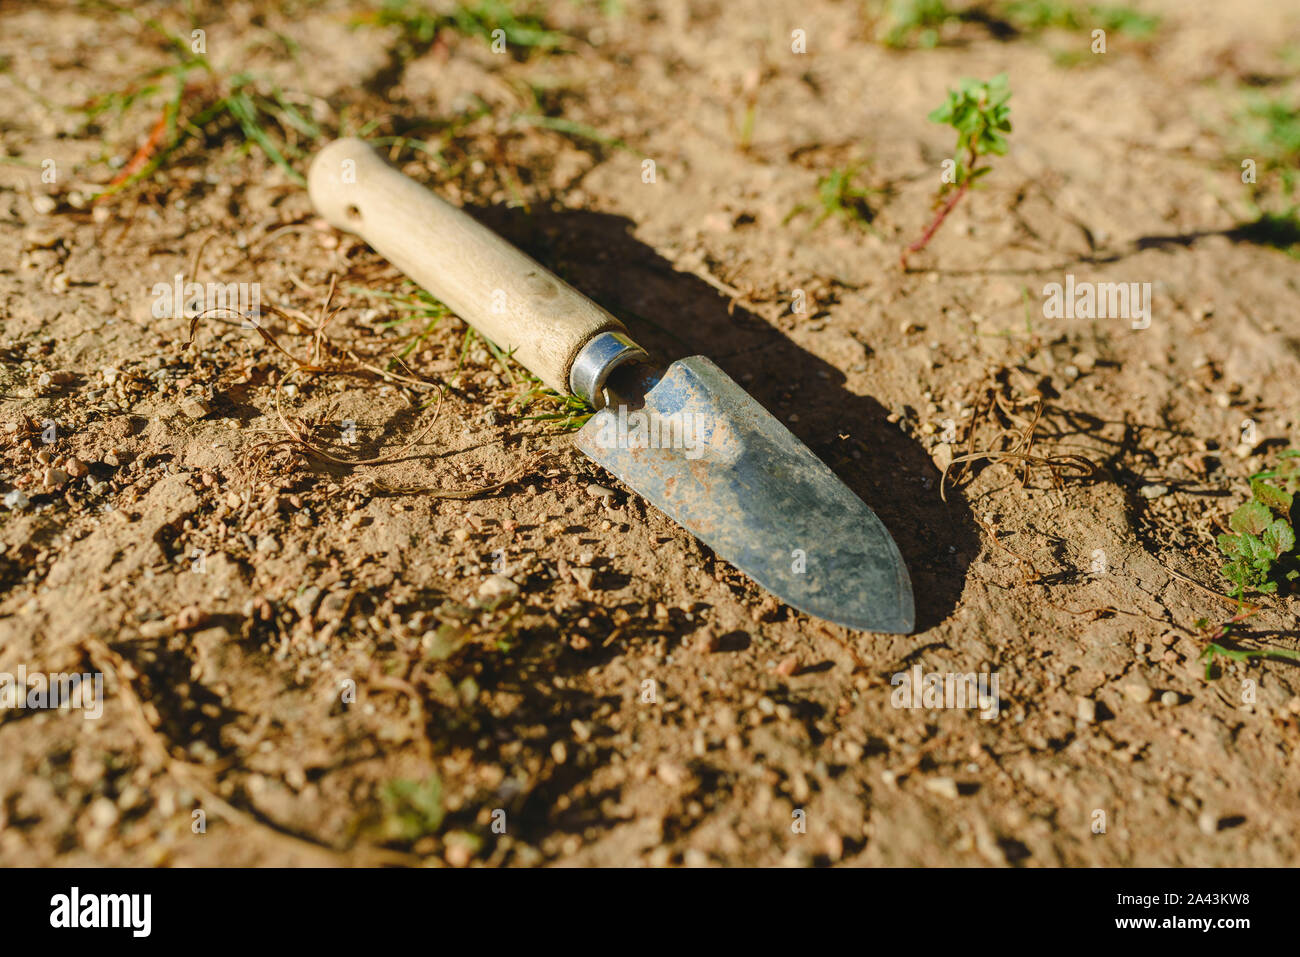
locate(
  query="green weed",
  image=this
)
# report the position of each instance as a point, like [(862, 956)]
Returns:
[(202, 105), (839, 195), (921, 23), (412, 809), (419, 27), (908, 23), (1214, 650), (1034, 16), (568, 413), (978, 111), (1263, 532), (570, 128), (425, 313), (1268, 131)]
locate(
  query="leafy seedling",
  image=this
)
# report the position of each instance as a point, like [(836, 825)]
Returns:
[(1214, 651), (425, 314), (1269, 130), (978, 111), (494, 20), (838, 195), (925, 24), (1217, 648), (1259, 549), (412, 809), (1035, 16), (1266, 138), (915, 23)]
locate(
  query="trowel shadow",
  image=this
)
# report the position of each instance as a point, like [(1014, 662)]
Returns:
[(674, 314)]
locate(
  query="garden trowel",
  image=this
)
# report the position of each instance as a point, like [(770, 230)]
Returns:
[(686, 437)]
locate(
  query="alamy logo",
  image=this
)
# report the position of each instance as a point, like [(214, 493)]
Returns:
[(640, 430), (1098, 300), (132, 911), (185, 300), (39, 691), (917, 689)]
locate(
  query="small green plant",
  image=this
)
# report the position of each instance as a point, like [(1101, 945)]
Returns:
[(1269, 132), (1033, 16), (1125, 20), (412, 809), (1214, 651), (204, 104), (566, 412), (978, 111), (261, 114), (1219, 646), (419, 27), (425, 314), (905, 24), (1266, 141), (1263, 534), (839, 195), (915, 23)]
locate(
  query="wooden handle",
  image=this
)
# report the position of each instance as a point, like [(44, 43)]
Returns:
[(503, 293)]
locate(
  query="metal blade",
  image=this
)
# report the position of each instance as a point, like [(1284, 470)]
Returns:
[(701, 449)]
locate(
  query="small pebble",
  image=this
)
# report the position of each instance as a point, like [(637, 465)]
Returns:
[(788, 666), (1086, 710), (498, 587), (1138, 692), (944, 787), (103, 813)]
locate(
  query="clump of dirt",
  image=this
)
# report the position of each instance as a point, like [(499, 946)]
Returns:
[(354, 596)]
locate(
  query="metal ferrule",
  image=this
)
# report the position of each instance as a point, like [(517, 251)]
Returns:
[(602, 354)]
